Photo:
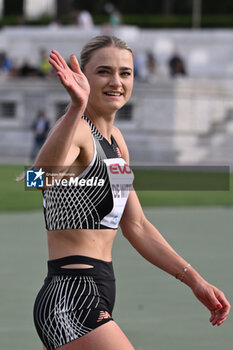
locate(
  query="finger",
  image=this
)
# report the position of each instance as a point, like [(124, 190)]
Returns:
[(60, 58), (212, 316), (56, 59), (62, 78), (225, 306), (214, 302), (219, 316), (222, 315), (54, 65), (215, 319), (74, 64), (215, 311), (224, 302), (220, 321)]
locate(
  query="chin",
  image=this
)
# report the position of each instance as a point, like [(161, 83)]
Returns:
[(114, 108), (115, 104)]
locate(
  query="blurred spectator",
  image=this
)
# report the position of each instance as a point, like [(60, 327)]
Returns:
[(40, 128), (176, 65), (84, 19), (45, 67), (14, 72), (139, 65), (145, 66), (140, 69), (11, 68), (5, 63), (115, 18), (150, 62), (27, 70)]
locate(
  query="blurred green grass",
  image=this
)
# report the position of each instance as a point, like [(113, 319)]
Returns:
[(14, 196)]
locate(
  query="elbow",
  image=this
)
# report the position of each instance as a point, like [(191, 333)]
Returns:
[(133, 229), (126, 229)]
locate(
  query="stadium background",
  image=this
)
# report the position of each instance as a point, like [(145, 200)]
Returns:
[(154, 310)]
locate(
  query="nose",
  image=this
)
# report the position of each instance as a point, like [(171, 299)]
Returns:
[(115, 80)]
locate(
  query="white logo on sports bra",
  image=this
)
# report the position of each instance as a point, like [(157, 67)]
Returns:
[(115, 220)]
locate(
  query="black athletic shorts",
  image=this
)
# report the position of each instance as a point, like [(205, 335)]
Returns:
[(73, 302)]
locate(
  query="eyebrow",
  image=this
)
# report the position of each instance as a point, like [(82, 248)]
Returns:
[(109, 67)]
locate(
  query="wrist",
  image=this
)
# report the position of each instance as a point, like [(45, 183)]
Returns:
[(80, 105), (180, 275), (191, 277)]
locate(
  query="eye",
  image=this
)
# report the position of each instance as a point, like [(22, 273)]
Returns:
[(126, 74), (103, 71)]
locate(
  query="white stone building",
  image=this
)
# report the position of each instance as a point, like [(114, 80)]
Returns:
[(172, 121)]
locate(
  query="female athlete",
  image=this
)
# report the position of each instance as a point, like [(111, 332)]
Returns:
[(73, 310)]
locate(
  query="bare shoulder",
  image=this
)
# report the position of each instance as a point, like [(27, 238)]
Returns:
[(83, 134), (116, 133)]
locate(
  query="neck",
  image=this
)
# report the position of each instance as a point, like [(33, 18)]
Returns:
[(103, 122)]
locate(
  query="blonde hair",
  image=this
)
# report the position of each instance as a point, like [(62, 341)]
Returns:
[(100, 42)]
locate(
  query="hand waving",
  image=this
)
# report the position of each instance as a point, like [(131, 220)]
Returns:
[(73, 80), (214, 300)]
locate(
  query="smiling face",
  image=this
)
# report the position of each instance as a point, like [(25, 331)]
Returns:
[(110, 75)]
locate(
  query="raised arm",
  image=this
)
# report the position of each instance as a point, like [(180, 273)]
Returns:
[(62, 147)]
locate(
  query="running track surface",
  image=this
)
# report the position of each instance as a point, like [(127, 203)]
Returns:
[(154, 309)]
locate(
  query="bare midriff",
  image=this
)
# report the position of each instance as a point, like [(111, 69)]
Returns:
[(93, 243)]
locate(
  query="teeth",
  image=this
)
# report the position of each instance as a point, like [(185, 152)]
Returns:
[(113, 93)]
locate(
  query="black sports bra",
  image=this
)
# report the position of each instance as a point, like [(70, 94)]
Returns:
[(97, 204)]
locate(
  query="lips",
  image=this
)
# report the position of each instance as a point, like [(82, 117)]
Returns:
[(113, 93)]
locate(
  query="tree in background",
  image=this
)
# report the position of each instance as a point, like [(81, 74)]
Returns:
[(167, 7)]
